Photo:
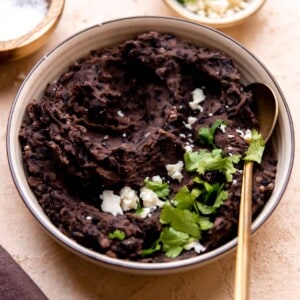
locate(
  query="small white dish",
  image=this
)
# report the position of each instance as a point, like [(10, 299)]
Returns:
[(234, 19)]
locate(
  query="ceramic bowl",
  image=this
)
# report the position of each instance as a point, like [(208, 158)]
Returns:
[(30, 42), (233, 19), (110, 33)]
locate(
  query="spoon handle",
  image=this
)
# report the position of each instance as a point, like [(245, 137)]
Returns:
[(241, 290)]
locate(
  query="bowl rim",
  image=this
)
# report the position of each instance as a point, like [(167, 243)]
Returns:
[(119, 264), (29, 42), (224, 22)]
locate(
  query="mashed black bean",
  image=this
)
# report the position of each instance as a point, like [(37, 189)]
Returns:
[(120, 115)]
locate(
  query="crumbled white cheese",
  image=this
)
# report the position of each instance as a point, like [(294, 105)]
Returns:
[(248, 135), (219, 7), (196, 5), (129, 198), (111, 203), (188, 148), (174, 170), (198, 97), (146, 212), (146, 134), (149, 198), (192, 120), (188, 126), (120, 113), (222, 127), (240, 132), (216, 8), (194, 245), (124, 134), (231, 136), (157, 179)]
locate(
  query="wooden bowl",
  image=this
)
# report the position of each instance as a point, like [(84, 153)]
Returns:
[(30, 42)]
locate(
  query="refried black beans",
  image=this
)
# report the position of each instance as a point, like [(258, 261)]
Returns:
[(122, 114)]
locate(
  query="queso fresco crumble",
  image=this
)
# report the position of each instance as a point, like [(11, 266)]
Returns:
[(214, 8)]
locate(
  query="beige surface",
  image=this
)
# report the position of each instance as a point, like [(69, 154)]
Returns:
[(273, 36)]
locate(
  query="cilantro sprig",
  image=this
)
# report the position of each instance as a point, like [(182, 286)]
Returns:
[(187, 216), (256, 147), (204, 160), (191, 210), (206, 134)]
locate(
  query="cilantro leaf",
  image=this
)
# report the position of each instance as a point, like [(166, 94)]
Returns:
[(206, 134), (205, 209), (193, 159), (174, 251), (256, 147), (173, 241), (212, 193), (205, 223), (205, 160), (222, 196), (117, 234), (211, 198), (162, 190), (155, 247), (181, 219), (184, 199)]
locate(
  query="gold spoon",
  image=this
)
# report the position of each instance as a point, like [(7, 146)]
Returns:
[(266, 112)]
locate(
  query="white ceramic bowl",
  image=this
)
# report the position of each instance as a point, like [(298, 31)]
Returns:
[(253, 6), (52, 65)]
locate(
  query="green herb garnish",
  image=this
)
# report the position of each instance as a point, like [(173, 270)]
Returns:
[(256, 147), (204, 160), (184, 199), (212, 196), (155, 247), (181, 219), (191, 211), (206, 134), (173, 241), (117, 234), (162, 190)]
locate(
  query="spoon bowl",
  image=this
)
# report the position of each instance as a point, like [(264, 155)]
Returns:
[(266, 108), (266, 112)]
